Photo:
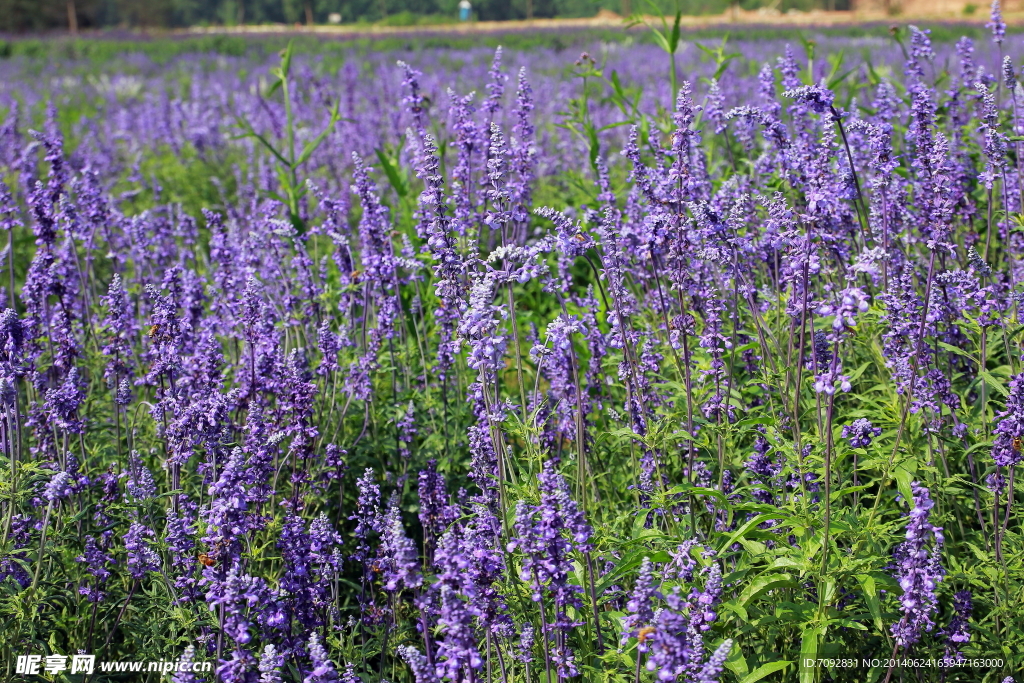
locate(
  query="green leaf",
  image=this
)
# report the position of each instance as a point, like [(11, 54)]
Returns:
[(849, 623), (763, 583), (748, 526), (639, 523), (786, 562), (809, 645), (765, 669), (674, 40), (662, 42), (735, 661), (978, 552), (394, 177), (904, 474), (959, 352), (626, 566), (699, 491), (250, 131), (312, 145), (867, 584), (286, 58), (736, 609), (275, 85), (994, 383)]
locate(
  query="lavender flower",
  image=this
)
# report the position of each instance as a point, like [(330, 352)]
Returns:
[(59, 487), (541, 534), (182, 675), (323, 670), (417, 661), (716, 662), (996, 23), (62, 403), (1009, 431), (140, 484), (860, 432), (399, 559), (349, 676), (819, 99), (641, 601), (524, 651), (435, 512), (97, 561), (676, 648), (367, 516), (959, 630), (141, 557), (918, 568)]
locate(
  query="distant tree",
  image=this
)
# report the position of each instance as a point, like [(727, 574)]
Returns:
[(22, 16), (19, 16)]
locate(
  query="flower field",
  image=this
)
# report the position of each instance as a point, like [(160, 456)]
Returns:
[(671, 361)]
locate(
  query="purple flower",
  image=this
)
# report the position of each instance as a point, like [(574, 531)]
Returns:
[(469, 566), (859, 432), (995, 142), (852, 301), (676, 643), (187, 657), (60, 486), (479, 325), (240, 596), (96, 562), (959, 630), (917, 567), (524, 651), (1009, 431), (350, 676), (237, 668), (641, 601), (716, 662), (121, 328), (996, 23), (571, 239), (819, 99), (62, 403), (12, 336), (141, 558), (180, 536), (399, 559), (123, 396), (436, 513), (140, 484), (407, 431), (20, 535), (323, 670), (543, 534), (329, 344), (417, 661), (367, 515), (228, 518), (311, 560)]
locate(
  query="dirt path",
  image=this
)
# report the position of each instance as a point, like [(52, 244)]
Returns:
[(952, 11)]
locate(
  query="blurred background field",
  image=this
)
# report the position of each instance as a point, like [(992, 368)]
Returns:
[(345, 17)]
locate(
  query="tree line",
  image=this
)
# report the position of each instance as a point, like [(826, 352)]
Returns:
[(21, 16)]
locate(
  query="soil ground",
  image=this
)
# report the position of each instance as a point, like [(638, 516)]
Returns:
[(869, 11)]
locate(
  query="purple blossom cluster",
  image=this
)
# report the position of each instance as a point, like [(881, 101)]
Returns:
[(402, 381), (918, 569)]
